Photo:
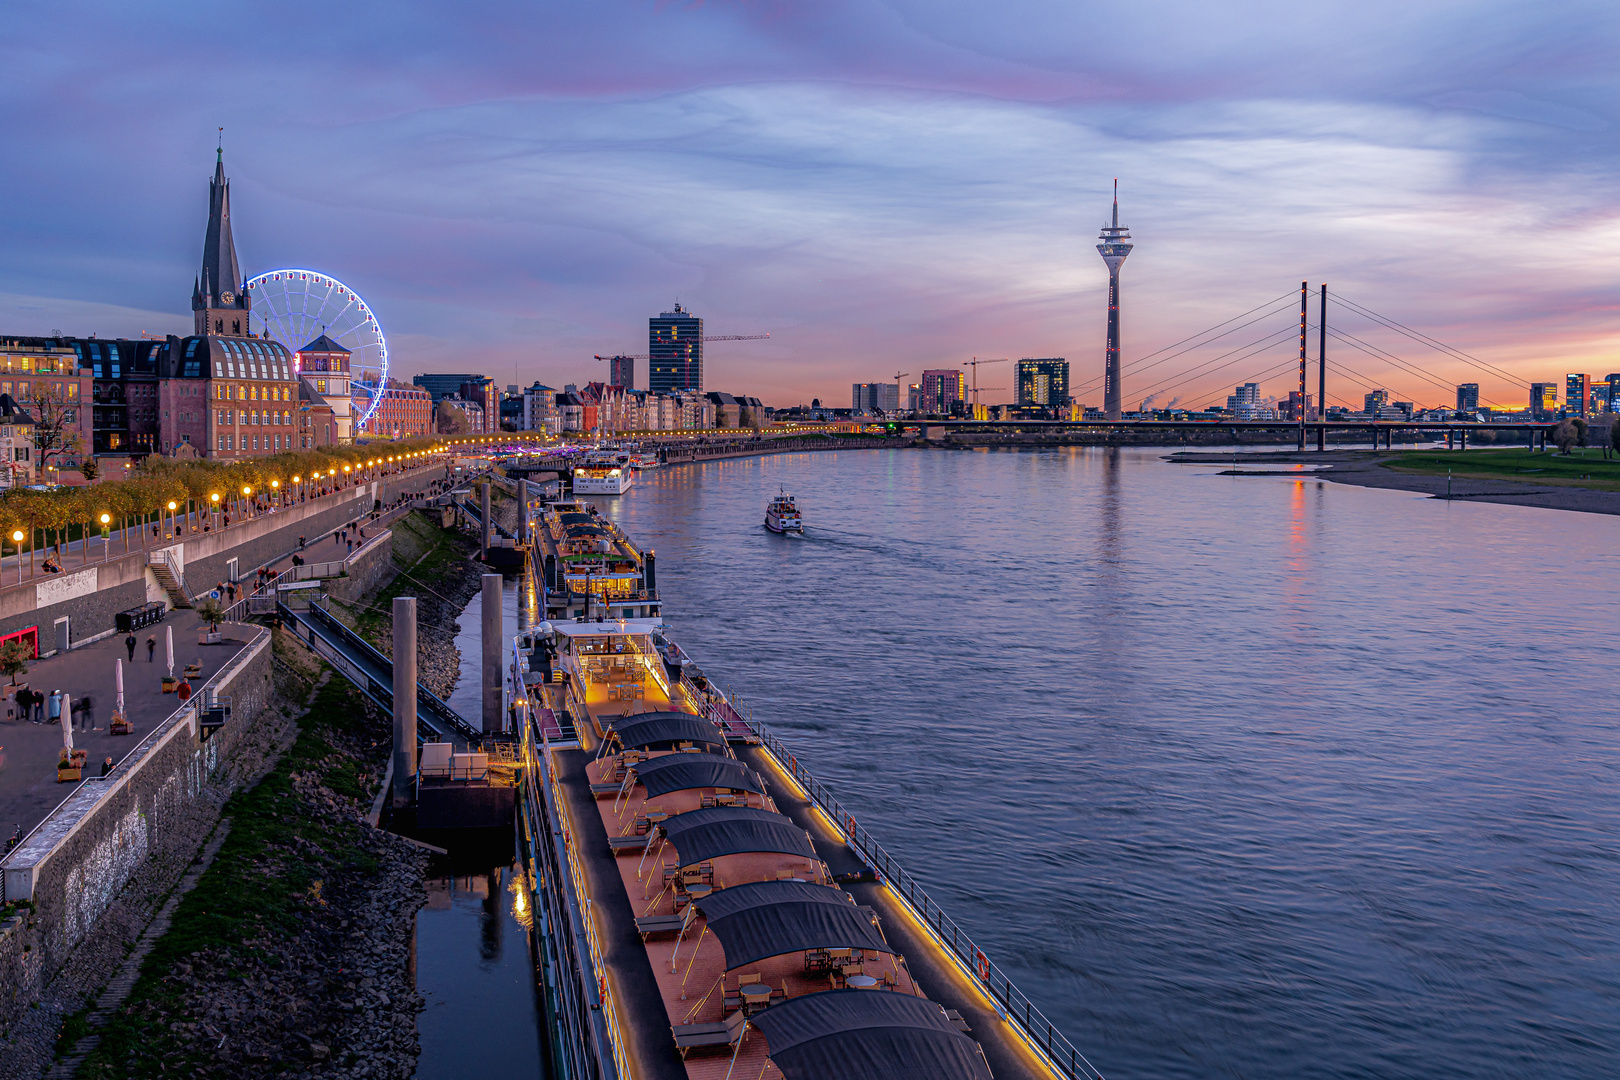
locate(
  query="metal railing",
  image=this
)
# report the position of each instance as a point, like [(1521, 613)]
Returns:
[(1010, 1002)]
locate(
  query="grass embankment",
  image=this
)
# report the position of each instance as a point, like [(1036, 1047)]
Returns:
[(1585, 467), (424, 555), (296, 847)]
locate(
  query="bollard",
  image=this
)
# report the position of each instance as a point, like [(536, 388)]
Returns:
[(491, 623), (404, 699)]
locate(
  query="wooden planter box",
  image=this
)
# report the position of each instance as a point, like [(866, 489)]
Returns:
[(210, 639), (169, 684), (65, 776)]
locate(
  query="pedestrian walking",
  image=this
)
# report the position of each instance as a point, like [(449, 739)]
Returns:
[(129, 643), (351, 547), (300, 543), (88, 705), (335, 535), (151, 647), (183, 691)]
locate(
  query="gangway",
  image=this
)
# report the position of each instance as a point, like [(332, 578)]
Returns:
[(468, 506), (372, 672)]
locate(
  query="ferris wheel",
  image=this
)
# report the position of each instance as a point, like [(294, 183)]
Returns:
[(297, 306)]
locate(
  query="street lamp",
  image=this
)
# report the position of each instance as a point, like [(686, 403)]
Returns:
[(173, 506), (106, 536), (17, 538)]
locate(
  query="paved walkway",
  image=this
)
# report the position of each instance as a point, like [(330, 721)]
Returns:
[(29, 751)]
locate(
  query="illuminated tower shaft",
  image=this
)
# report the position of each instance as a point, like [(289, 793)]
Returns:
[(1113, 249)]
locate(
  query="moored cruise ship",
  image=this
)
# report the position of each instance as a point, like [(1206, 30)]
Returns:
[(714, 911), (604, 472), (589, 567)]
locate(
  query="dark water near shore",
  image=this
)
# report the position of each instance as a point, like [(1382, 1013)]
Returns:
[(1236, 777), (473, 963)]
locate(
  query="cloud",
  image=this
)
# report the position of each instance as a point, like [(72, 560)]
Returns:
[(875, 184)]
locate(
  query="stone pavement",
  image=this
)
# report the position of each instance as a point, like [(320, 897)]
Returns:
[(29, 751)]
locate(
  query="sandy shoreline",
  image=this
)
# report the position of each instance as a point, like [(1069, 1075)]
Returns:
[(1365, 468)]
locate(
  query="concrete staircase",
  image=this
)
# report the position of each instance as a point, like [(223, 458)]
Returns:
[(168, 575)]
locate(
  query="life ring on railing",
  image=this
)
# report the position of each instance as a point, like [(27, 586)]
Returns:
[(984, 967), (850, 827), (601, 988)]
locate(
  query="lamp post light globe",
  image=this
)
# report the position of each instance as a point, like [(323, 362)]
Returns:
[(16, 536)]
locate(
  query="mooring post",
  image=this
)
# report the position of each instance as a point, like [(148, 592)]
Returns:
[(490, 620), (523, 511), (483, 533), (404, 699)]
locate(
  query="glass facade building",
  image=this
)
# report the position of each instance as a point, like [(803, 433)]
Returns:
[(675, 352), (1043, 383)]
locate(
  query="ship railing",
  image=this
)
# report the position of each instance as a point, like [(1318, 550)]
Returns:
[(584, 1005), (1010, 1002)]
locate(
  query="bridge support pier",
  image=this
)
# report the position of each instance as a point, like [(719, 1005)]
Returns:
[(404, 700), (1463, 436), (490, 623)]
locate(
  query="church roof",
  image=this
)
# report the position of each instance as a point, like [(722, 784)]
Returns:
[(220, 272), (324, 344)]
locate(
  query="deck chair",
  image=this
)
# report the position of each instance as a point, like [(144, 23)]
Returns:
[(648, 925), (633, 842), (723, 1033)]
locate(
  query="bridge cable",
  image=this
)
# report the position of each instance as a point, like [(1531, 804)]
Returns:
[(1419, 336)]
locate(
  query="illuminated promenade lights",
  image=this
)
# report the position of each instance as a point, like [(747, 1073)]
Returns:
[(1114, 248)]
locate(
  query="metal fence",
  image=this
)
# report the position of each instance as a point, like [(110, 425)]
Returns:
[(1010, 1002)]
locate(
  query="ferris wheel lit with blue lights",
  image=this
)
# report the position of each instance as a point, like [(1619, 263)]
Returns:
[(297, 306)]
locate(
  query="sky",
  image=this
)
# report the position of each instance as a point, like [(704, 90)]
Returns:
[(883, 186)]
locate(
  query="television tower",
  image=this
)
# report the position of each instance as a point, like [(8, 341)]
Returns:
[(1113, 249)]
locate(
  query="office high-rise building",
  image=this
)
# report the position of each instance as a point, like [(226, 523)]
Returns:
[(941, 387), (1043, 383), (675, 348), (622, 372), (1576, 391), (879, 397), (1468, 397), (1375, 402), (1543, 400)]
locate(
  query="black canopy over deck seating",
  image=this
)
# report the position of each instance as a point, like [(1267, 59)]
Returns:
[(862, 1035), (574, 517), (642, 730), (703, 835), (762, 919), (681, 772)]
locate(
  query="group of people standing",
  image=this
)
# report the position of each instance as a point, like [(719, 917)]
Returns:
[(40, 707)]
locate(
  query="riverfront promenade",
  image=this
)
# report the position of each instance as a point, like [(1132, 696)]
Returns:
[(29, 751)]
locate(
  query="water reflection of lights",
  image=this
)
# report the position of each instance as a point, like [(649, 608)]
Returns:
[(518, 886)]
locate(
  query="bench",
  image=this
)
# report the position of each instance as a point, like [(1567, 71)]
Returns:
[(688, 1036)]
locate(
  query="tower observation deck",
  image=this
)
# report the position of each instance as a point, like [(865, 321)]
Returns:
[(1113, 249)]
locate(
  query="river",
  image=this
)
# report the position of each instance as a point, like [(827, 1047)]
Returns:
[(1254, 777)]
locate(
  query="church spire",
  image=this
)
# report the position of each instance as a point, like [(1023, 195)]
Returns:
[(219, 304)]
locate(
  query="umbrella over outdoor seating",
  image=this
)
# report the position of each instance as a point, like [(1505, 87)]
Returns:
[(118, 681), (67, 722), (168, 652)]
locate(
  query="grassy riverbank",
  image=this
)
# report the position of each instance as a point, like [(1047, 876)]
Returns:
[(277, 959), (1586, 468)]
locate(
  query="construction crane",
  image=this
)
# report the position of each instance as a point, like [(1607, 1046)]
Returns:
[(899, 404), (706, 337), (974, 364)]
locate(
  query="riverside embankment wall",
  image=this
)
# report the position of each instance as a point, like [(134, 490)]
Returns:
[(88, 597), (96, 868)]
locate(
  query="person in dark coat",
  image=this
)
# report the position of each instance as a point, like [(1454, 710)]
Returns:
[(129, 643), (151, 648)]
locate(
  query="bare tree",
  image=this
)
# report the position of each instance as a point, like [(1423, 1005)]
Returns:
[(56, 438)]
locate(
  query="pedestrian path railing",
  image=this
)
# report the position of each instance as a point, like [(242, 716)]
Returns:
[(1010, 1002)]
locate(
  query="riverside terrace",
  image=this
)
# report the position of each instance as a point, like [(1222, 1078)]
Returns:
[(29, 752)]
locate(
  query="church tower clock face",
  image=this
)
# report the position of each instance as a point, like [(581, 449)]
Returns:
[(228, 297)]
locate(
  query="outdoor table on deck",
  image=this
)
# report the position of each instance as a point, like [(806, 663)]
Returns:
[(861, 982), (698, 890), (755, 995)]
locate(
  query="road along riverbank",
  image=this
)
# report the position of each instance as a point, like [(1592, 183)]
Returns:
[(1381, 469)]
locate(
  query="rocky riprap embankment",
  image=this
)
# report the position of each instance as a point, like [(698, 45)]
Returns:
[(291, 957)]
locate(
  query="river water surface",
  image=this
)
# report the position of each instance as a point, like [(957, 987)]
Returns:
[(1243, 777)]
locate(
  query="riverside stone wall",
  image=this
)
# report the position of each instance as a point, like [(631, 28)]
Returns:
[(94, 870)]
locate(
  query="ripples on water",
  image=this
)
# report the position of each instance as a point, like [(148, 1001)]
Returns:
[(1236, 777)]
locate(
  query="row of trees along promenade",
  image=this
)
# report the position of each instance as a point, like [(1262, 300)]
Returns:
[(168, 494)]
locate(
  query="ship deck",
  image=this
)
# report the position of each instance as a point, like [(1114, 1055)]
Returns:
[(649, 998)]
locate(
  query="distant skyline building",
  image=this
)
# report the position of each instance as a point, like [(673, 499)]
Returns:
[(1468, 397), (941, 387), (1374, 402), (1543, 400), (1043, 383), (1244, 402), (1577, 389), (1114, 248), (622, 371), (1291, 409), (882, 397), (675, 351)]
